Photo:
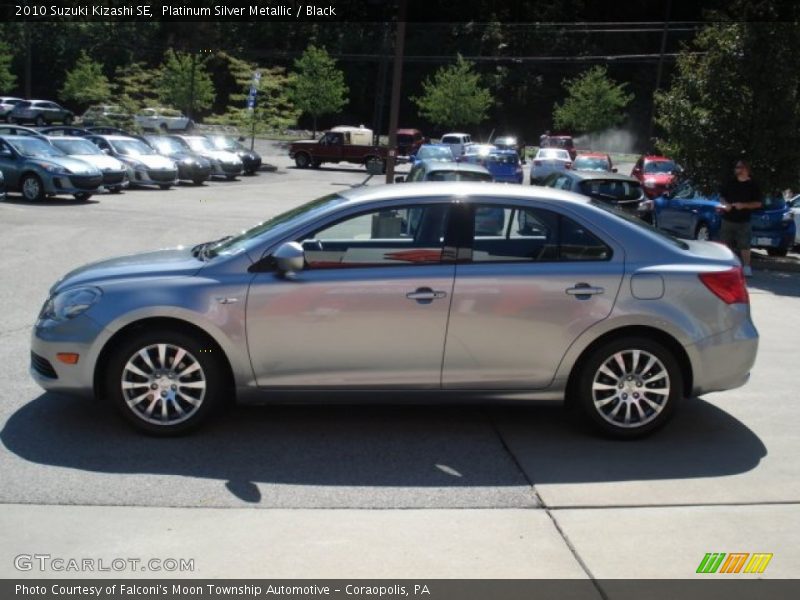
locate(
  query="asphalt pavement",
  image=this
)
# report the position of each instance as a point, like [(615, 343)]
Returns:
[(375, 491)]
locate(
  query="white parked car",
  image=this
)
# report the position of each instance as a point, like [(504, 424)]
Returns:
[(162, 119), (458, 142), (548, 160)]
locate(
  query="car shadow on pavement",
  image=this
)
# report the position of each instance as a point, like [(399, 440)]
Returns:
[(392, 446), (775, 282), (20, 201)]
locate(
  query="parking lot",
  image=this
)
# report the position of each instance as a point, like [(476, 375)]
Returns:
[(488, 491)]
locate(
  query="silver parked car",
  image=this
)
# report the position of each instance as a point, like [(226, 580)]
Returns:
[(40, 113), (393, 291), (223, 162), (33, 167), (115, 176), (144, 165)]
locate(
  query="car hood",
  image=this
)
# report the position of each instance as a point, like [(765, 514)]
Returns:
[(101, 161), (221, 155), (154, 161), (160, 263), (74, 165)]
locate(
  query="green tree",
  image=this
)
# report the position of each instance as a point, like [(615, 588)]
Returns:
[(85, 83), (594, 102), (185, 83), (135, 86), (274, 108), (7, 79), (735, 95), (318, 86), (454, 97)]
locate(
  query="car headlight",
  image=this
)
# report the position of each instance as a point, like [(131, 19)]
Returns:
[(649, 183), (57, 169), (70, 303)]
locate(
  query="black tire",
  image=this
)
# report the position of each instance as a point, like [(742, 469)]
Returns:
[(116, 189), (83, 196), (651, 419), (198, 180), (40, 121), (781, 251), (702, 232), (68, 120), (316, 163), (163, 127), (251, 172), (36, 183), (230, 177), (165, 186), (302, 160), (198, 350)]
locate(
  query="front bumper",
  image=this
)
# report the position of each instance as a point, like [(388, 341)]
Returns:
[(250, 164), (153, 177), (71, 184), (80, 335), (193, 172), (221, 169), (114, 178)]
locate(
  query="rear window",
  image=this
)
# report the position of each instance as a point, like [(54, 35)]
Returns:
[(458, 176), (610, 208), (451, 139), (590, 163), (777, 202), (611, 189), (503, 159), (553, 153)]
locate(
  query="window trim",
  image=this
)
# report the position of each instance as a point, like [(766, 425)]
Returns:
[(474, 202)]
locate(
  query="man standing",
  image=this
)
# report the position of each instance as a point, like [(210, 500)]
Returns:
[(739, 198)]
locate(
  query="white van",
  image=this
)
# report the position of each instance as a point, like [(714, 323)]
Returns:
[(458, 142)]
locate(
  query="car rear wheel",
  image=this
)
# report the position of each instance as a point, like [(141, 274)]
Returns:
[(302, 160), (40, 122), (702, 232), (164, 382), (629, 387), (198, 180), (165, 186), (68, 120), (163, 127), (116, 189), (780, 251), (32, 188)]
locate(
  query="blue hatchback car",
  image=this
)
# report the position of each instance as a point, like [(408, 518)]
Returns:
[(688, 213), (504, 165)]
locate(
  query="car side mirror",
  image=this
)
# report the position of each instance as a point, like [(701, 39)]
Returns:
[(399, 179), (289, 257)]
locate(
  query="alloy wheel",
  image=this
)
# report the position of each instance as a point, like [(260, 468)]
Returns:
[(31, 188), (630, 388), (163, 384)]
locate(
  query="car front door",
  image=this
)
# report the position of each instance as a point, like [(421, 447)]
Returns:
[(523, 293), (676, 214), (9, 165), (369, 310)]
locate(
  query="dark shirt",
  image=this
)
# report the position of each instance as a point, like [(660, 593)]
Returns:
[(740, 191)]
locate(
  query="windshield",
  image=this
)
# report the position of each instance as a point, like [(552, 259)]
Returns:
[(132, 147), (444, 153), (660, 166), (458, 176), (283, 221), (626, 216), (199, 144), (222, 142), (76, 147), (166, 145), (35, 148), (776, 202), (587, 163)]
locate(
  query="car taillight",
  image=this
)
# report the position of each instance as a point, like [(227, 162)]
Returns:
[(728, 286)]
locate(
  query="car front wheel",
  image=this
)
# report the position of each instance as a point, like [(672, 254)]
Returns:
[(32, 188), (629, 387), (164, 382), (302, 160), (780, 251)]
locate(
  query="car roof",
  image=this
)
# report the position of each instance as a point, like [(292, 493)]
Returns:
[(593, 154), (657, 158), (454, 133), (604, 175), (69, 138), (435, 146), (408, 131), (427, 189), (113, 138), (22, 137)]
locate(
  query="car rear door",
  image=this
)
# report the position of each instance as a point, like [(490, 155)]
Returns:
[(370, 309), (523, 293)]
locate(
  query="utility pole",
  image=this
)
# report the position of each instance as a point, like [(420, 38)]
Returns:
[(383, 68), (191, 85), (26, 33), (397, 76), (659, 72)]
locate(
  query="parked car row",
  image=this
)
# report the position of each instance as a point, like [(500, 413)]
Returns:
[(68, 160)]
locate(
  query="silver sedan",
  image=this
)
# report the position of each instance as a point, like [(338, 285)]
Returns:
[(400, 292)]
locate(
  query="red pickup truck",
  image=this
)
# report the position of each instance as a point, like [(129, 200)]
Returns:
[(341, 144)]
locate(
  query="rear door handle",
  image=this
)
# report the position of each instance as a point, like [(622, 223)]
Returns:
[(425, 294), (583, 291)]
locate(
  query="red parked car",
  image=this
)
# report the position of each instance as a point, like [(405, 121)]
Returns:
[(657, 174), (409, 141)]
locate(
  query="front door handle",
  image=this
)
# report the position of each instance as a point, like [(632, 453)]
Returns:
[(425, 295), (583, 291)]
